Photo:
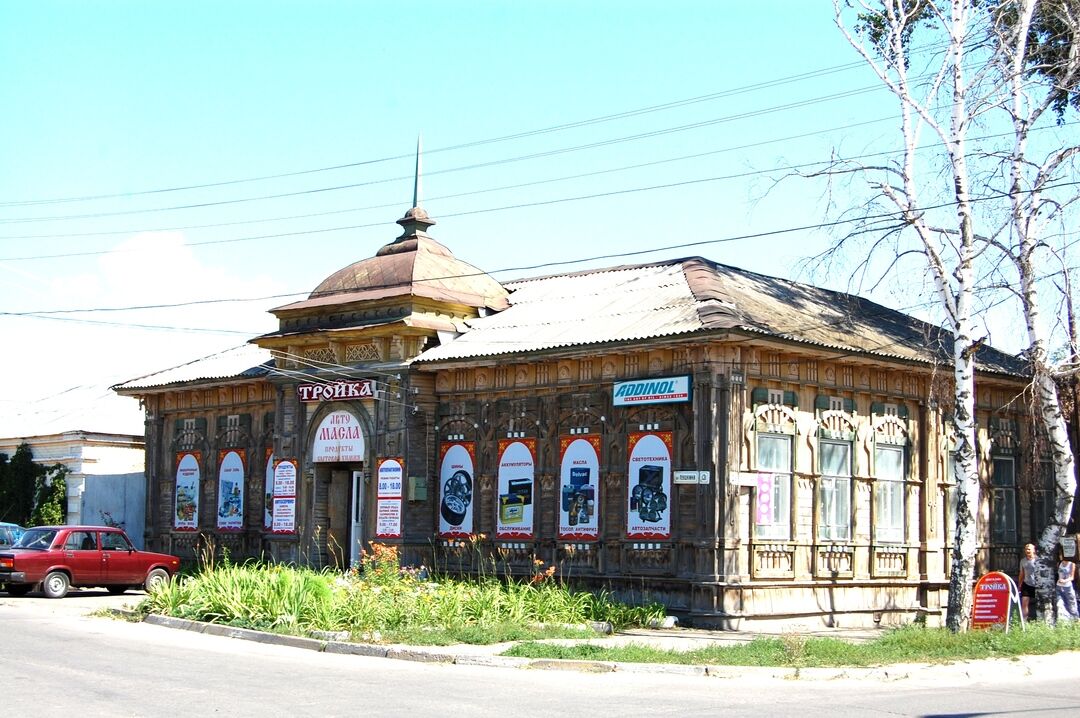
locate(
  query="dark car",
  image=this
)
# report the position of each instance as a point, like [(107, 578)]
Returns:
[(9, 534), (58, 557)]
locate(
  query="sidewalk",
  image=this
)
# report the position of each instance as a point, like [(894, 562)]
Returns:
[(675, 639)]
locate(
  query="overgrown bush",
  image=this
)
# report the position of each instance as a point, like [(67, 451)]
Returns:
[(378, 599)]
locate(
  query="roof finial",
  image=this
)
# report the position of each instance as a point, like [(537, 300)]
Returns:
[(419, 171), (416, 220)]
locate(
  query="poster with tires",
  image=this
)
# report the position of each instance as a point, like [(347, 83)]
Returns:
[(648, 511), (389, 475), (230, 503), (579, 496), (186, 499), (456, 461), (517, 471)]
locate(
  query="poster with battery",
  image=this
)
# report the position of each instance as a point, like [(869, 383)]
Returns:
[(268, 491), (283, 520), (517, 469), (230, 503), (648, 495), (186, 514), (579, 500), (389, 473), (456, 461)]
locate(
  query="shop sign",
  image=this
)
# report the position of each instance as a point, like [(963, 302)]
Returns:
[(579, 500), (685, 477), (665, 390), (517, 469), (336, 390), (186, 513), (338, 438), (456, 489), (649, 506), (993, 597), (283, 513), (230, 508), (388, 497)]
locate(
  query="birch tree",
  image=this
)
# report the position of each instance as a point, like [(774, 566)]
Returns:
[(978, 65), (1037, 41)]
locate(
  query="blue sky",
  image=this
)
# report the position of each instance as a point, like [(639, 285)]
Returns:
[(122, 98)]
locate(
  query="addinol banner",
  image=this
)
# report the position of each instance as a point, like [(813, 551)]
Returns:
[(662, 390)]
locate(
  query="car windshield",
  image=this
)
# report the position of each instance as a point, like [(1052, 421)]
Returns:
[(36, 538)]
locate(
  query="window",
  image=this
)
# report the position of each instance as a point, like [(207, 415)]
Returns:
[(115, 542), (952, 498), (889, 477), (773, 511), (1003, 501), (834, 491), (1042, 497)]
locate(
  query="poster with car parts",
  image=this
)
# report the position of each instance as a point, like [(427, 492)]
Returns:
[(230, 503), (284, 511), (456, 461), (517, 471), (579, 497), (268, 491), (649, 491), (388, 473), (186, 514)]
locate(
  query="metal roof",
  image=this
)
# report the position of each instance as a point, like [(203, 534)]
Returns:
[(690, 295), (239, 362)]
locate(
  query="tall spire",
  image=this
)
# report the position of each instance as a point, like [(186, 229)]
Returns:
[(416, 220), (419, 171)]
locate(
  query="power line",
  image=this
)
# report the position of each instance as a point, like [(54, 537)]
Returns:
[(475, 143), (479, 165), (895, 216)]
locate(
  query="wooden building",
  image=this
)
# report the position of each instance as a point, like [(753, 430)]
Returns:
[(747, 450)]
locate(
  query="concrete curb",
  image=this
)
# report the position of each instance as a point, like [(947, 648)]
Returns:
[(969, 670)]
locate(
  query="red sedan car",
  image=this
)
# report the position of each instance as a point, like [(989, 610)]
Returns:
[(58, 557)]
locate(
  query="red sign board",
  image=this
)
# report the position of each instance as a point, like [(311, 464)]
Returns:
[(336, 390), (993, 597)]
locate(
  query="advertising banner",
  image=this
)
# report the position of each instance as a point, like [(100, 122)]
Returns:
[(338, 438), (268, 491), (648, 494), (517, 472), (665, 390), (389, 473), (456, 461), (283, 519), (230, 504), (992, 600), (187, 491), (579, 498)]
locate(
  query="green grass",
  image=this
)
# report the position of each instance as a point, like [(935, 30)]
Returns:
[(910, 644), (380, 601)]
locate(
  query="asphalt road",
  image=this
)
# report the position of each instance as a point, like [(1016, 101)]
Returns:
[(56, 660)]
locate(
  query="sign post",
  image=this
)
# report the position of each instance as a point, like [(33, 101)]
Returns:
[(993, 598)]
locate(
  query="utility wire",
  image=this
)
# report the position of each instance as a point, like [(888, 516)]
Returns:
[(893, 216), (479, 165), (475, 143)]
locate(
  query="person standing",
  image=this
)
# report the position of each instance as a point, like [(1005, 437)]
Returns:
[(1066, 574), (1028, 573)]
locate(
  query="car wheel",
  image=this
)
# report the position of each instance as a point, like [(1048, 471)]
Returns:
[(19, 589), (55, 585), (116, 590), (156, 579)]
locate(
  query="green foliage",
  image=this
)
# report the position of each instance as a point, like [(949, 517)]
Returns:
[(911, 644), (17, 476), (50, 497), (379, 601), (1051, 36)]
